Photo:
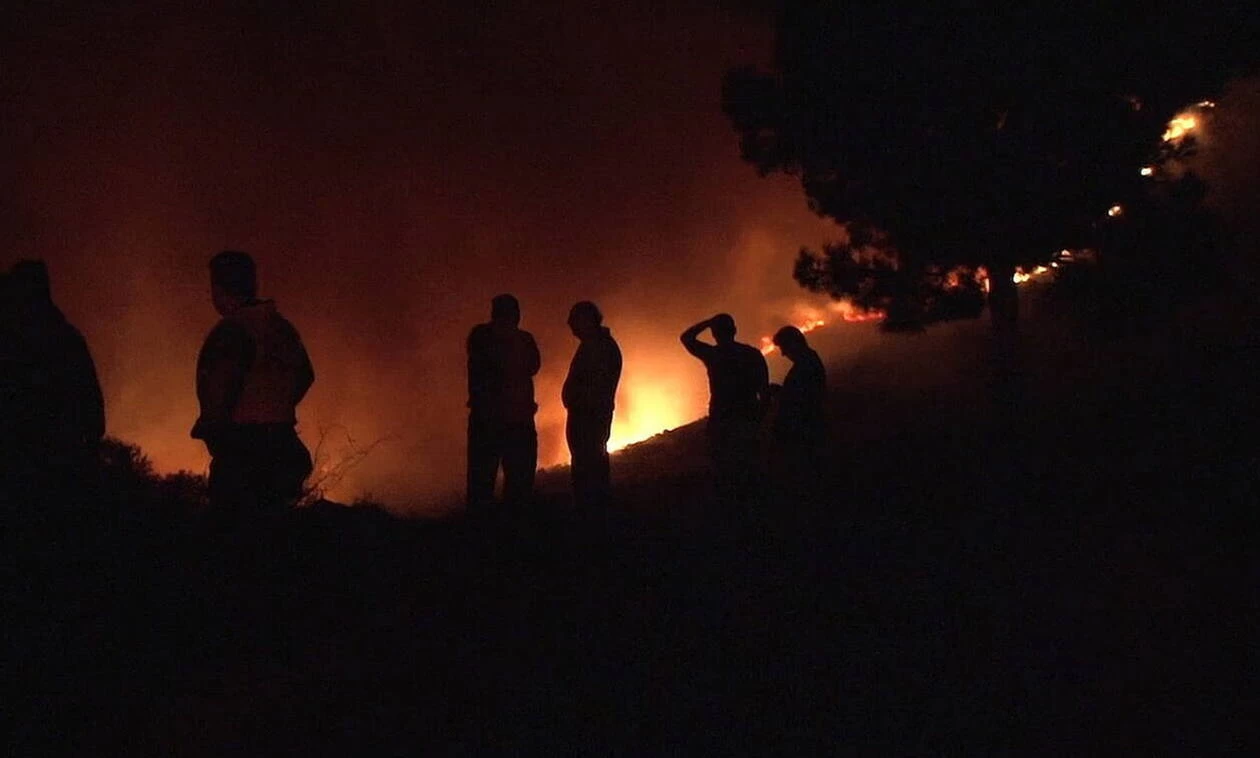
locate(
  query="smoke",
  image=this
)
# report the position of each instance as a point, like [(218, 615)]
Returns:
[(1229, 161), (392, 169)]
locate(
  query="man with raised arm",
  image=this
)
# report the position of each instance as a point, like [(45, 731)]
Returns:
[(738, 384)]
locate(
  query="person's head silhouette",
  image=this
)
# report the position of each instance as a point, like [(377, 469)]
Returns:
[(233, 281), (723, 327), (28, 284), (505, 311), (585, 319), (791, 342)]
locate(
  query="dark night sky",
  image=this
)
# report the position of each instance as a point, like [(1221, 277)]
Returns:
[(391, 169)]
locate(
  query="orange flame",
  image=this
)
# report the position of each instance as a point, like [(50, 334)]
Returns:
[(1181, 125), (845, 309), (652, 407), (767, 343)]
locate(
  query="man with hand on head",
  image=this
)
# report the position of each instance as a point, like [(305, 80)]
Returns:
[(738, 384)]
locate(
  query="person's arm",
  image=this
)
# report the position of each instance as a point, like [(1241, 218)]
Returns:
[(570, 393), (763, 377), (85, 393), (534, 358), (221, 368), (479, 368), (691, 343), (305, 371), (607, 374), (614, 377)]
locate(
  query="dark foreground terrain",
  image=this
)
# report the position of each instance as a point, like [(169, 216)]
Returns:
[(1050, 566)]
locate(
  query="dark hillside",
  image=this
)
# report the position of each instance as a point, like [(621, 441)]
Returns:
[(1074, 589)]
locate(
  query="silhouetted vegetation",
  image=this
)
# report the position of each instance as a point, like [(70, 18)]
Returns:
[(973, 134), (127, 476)]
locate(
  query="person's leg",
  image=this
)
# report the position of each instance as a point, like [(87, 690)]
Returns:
[(287, 464), (577, 458), (588, 448), (723, 459), (520, 463), (601, 469), (231, 487), (483, 463)]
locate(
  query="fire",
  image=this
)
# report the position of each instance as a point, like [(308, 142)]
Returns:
[(845, 309), (855, 315), (1181, 125), (1147, 171), (647, 407), (767, 343), (1115, 210)]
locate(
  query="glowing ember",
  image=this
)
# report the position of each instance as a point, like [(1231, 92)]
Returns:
[(855, 315), (1181, 125), (1147, 171), (1115, 210)]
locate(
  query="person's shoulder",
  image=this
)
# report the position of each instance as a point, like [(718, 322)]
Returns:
[(523, 339), (285, 325), (227, 337), (227, 328), (750, 352)]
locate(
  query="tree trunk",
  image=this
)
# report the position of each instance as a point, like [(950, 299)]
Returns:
[(1003, 301)]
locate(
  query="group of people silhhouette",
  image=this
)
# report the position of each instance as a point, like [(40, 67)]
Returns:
[(253, 370), (502, 362)]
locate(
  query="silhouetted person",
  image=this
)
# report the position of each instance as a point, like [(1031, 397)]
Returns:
[(502, 362), (590, 391), (252, 372), (52, 415), (800, 424), (738, 385)]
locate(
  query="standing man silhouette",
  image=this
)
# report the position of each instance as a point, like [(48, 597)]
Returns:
[(800, 425), (738, 384), (502, 362), (590, 391), (251, 374), (52, 414)]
